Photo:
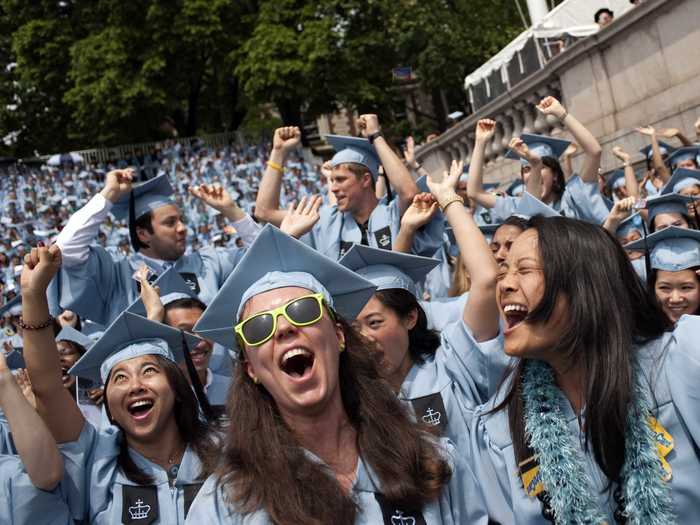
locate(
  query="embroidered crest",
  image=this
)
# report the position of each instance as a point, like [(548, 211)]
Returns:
[(486, 217), (139, 511), (139, 504), (431, 411), (383, 238), (191, 280), (344, 248), (395, 516)]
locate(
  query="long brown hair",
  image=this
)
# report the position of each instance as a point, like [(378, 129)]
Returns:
[(193, 430), (264, 467)]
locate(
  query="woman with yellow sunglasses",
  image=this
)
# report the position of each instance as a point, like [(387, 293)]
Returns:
[(316, 434)]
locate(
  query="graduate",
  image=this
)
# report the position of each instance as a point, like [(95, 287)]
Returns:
[(150, 463), (670, 209), (598, 421), (29, 479), (674, 256), (97, 287), (331, 442), (356, 215), (578, 196)]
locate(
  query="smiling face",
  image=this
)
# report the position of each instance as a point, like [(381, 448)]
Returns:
[(68, 355), (389, 332), (666, 220), (168, 240), (348, 187), (521, 287), (185, 319), (678, 293), (298, 366), (140, 397)]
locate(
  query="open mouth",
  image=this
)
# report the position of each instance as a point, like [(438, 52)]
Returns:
[(297, 363), (140, 409), (514, 315), (65, 376)]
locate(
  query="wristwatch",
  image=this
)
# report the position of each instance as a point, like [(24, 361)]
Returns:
[(374, 136)]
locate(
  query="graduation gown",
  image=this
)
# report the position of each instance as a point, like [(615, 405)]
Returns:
[(98, 492), (671, 364), (458, 503)]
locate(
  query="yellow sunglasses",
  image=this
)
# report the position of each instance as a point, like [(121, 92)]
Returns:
[(302, 311)]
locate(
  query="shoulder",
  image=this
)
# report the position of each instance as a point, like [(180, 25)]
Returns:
[(212, 506)]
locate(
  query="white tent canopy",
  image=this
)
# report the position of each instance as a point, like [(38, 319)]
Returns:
[(572, 17)]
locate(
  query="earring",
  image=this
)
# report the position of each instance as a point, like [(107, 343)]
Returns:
[(256, 380), (342, 346)]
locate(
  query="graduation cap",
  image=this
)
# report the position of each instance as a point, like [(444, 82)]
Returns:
[(615, 180), (276, 260), (146, 196), (648, 151), (541, 145), (682, 178), (131, 336), (15, 359), (12, 308), (354, 150), (488, 230), (681, 154), (630, 224), (669, 203), (68, 333), (172, 288), (516, 188), (672, 249), (388, 269), (530, 206)]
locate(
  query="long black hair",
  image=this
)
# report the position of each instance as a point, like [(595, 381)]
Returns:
[(609, 312), (422, 342)]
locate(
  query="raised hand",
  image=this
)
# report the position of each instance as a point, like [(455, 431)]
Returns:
[(668, 133), (649, 131), (40, 266), (96, 395), (621, 154), (519, 147), (150, 295), (485, 129), (445, 189), (622, 209), (551, 106), (409, 153), (213, 195), (570, 150), (118, 183), (301, 218), (368, 124), (286, 138), (420, 212), (25, 385)]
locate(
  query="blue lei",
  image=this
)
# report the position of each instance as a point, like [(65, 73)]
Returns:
[(647, 497)]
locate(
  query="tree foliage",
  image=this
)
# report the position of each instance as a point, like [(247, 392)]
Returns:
[(85, 73)]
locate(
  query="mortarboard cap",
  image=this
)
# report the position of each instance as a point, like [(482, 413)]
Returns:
[(148, 196), (130, 336), (68, 333), (669, 203), (542, 145), (276, 260), (172, 287), (681, 154), (354, 150), (615, 180), (15, 359), (12, 308), (631, 223), (488, 230), (530, 206), (682, 178), (672, 249), (388, 269), (664, 148)]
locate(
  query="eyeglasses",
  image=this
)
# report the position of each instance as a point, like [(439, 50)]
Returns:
[(302, 311)]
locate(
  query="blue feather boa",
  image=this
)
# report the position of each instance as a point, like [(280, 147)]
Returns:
[(647, 497)]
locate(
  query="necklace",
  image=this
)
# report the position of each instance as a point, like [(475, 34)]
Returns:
[(643, 498)]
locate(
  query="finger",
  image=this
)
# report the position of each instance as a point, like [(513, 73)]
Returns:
[(318, 201), (54, 252), (302, 205)]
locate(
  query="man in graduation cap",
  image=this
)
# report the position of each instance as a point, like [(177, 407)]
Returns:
[(357, 216), (98, 287)]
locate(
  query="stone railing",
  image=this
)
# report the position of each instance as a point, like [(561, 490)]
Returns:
[(640, 70)]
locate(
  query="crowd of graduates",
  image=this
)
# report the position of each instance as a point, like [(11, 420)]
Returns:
[(236, 336)]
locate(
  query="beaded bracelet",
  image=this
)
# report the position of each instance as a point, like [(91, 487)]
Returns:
[(452, 198), (30, 327)]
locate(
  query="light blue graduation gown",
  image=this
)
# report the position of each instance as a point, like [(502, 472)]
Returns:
[(459, 502), (671, 364), (443, 312), (462, 374), (439, 280), (96, 488), (217, 391), (102, 288), (21, 503), (337, 231), (7, 445), (580, 200)]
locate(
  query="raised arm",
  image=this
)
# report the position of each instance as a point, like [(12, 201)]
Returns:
[(35, 444), (630, 178), (534, 178), (485, 129), (481, 311), (418, 214), (583, 137), (267, 203), (657, 159), (53, 402), (150, 296), (399, 177), (674, 133), (567, 166), (620, 211)]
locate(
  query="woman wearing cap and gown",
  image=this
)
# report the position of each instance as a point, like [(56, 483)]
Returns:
[(28, 478), (577, 197), (674, 260), (330, 441), (442, 377), (148, 466), (598, 421)]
